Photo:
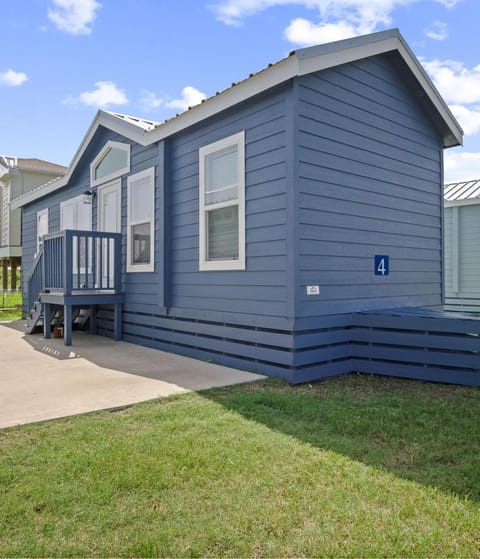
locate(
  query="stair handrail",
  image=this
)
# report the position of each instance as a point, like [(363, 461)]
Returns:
[(35, 278)]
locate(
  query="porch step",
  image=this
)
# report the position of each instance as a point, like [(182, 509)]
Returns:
[(80, 318), (36, 314)]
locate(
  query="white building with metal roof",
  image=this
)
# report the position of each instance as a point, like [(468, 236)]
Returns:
[(462, 246)]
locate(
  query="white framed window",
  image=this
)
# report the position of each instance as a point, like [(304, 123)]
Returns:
[(112, 161), (222, 204), (42, 227), (140, 221)]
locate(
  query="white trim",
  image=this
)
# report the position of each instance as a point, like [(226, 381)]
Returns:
[(455, 248), (237, 140), (110, 145), (462, 202), (301, 62), (148, 173)]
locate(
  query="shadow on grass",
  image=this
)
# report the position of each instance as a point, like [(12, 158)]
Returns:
[(424, 432)]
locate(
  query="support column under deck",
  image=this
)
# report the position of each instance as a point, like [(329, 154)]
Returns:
[(67, 324)]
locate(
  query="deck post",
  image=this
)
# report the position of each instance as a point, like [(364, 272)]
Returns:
[(117, 331), (47, 319), (67, 324), (13, 280), (5, 274)]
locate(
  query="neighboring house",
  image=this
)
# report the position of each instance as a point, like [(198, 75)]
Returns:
[(17, 177), (462, 246), (267, 227)]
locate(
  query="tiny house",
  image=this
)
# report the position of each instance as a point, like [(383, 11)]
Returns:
[(266, 228), (462, 246)]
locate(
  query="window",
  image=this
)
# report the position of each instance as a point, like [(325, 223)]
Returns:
[(140, 221), (111, 162), (222, 204)]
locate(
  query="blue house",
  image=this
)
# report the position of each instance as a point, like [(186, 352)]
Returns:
[(267, 228)]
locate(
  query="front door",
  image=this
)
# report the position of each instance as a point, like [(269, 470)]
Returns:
[(42, 227), (109, 220)]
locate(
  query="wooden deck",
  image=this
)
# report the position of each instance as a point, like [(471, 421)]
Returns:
[(76, 269)]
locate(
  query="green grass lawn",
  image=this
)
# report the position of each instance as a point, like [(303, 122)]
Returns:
[(10, 305), (354, 467)]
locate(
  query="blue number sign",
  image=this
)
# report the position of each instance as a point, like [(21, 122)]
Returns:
[(382, 265)]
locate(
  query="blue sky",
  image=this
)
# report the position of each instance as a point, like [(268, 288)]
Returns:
[(63, 59)]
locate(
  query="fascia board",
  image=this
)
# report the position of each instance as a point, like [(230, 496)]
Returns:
[(462, 202), (416, 68)]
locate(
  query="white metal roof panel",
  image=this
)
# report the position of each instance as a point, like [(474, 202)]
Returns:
[(464, 190)]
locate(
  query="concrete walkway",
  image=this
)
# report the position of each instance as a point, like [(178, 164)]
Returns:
[(42, 379)]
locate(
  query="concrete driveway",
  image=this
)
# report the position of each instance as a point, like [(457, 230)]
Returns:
[(42, 379)]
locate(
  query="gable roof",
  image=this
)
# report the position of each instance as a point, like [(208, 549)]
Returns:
[(298, 63), (31, 164), (464, 192)]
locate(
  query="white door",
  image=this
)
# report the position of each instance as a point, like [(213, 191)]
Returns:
[(42, 227), (109, 208), (77, 215), (109, 220)]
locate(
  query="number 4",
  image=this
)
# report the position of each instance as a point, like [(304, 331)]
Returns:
[(381, 267)]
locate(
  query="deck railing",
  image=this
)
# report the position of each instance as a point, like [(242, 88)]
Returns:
[(76, 262), (35, 280)]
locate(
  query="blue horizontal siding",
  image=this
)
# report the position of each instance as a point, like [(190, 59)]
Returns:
[(261, 290), (369, 176)]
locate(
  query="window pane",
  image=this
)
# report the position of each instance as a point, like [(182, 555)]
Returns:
[(114, 160), (141, 200), (221, 169), (223, 234), (141, 243)]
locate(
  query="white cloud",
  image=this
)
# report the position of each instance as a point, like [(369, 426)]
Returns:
[(74, 16), (232, 12), (104, 94), (150, 101), (438, 31), (190, 97), (336, 19), (456, 83), (469, 118), (448, 3), (460, 166), (371, 12), (10, 77), (305, 33)]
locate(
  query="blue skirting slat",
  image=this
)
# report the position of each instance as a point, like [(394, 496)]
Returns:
[(413, 343)]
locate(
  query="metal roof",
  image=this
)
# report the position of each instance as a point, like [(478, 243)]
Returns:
[(146, 125), (465, 190)]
